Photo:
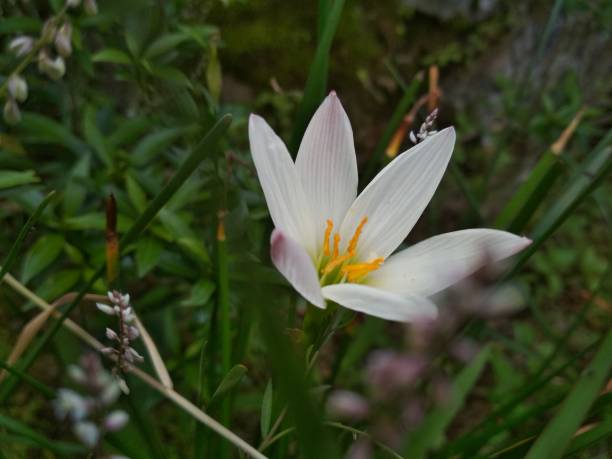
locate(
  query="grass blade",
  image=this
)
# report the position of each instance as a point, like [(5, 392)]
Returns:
[(581, 184), (25, 229), (316, 84), (428, 435), (559, 432)]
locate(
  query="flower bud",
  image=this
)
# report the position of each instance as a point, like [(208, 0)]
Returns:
[(53, 68), (91, 7), (106, 309), (48, 31), (77, 374), (63, 40), (21, 45), (73, 3), (111, 334), (18, 88), (116, 420), (133, 332), (12, 114)]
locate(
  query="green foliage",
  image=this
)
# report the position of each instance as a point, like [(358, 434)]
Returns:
[(142, 113)]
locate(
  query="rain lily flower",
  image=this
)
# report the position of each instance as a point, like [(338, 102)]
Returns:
[(331, 244)]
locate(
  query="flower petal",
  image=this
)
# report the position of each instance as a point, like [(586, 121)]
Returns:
[(440, 261), (398, 195), (289, 209), (379, 303), (296, 265), (327, 165)]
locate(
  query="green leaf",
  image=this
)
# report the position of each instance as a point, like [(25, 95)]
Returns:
[(200, 293), (148, 251), (23, 232), (316, 84), (58, 283), (431, 431), (561, 429), (22, 430), (10, 179), (171, 74), (194, 248), (94, 137), (579, 186), (229, 381), (165, 43), (19, 24), (75, 192), (154, 144), (112, 56), (40, 129), (136, 194), (266, 411), (42, 254)]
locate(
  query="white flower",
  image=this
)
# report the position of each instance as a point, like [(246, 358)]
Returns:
[(21, 45), (332, 244), (87, 432)]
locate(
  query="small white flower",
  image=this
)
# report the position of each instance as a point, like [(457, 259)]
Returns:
[(111, 334), (70, 403), (111, 392), (11, 112), (333, 245), (77, 374), (63, 40)]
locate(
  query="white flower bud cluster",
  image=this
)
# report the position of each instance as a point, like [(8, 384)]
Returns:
[(425, 130), (54, 33), (87, 410), (121, 349)]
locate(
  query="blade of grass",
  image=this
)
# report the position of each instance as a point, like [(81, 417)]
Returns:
[(291, 381), (25, 229), (597, 433), (429, 434), (470, 443), (407, 100), (560, 430), (20, 429), (182, 174), (580, 185), (316, 84)]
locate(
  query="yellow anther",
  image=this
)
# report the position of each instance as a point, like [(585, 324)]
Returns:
[(358, 270), (328, 230), (336, 246), (355, 239), (335, 263)]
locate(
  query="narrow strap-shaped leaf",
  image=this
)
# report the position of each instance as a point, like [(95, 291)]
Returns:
[(560, 430), (316, 84), (429, 434)]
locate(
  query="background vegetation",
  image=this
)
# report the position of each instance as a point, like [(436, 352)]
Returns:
[(143, 104)]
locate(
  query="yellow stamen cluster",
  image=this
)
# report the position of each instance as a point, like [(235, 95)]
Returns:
[(351, 272)]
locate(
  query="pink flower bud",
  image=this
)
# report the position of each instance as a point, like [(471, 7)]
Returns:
[(111, 334), (346, 405), (116, 420), (106, 309)]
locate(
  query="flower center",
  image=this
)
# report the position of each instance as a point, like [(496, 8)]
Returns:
[(335, 267)]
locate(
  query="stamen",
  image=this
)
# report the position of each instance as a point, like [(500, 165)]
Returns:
[(336, 245), (353, 244), (335, 263), (328, 230), (358, 270)]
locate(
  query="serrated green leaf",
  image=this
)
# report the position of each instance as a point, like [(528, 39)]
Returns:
[(148, 252), (10, 179), (44, 251)]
